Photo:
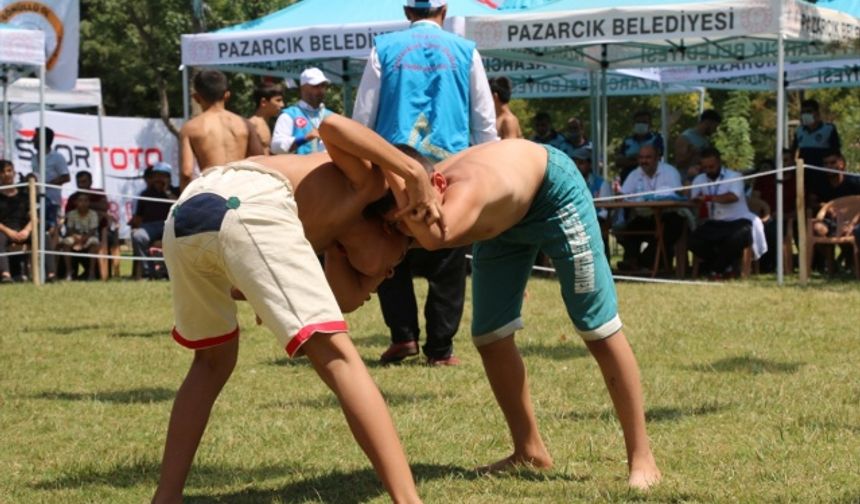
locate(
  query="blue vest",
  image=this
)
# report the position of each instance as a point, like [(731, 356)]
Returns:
[(631, 146), (425, 89), (304, 121), (814, 145)]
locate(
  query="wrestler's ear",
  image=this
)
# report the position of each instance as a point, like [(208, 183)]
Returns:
[(438, 181), (227, 96)]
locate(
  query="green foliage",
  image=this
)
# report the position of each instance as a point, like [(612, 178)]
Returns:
[(130, 45), (733, 137), (749, 389)]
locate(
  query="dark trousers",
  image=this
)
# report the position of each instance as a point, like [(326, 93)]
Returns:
[(720, 243), (672, 228), (445, 271), (767, 262)]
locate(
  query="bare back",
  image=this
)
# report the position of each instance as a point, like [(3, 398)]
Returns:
[(261, 126), (507, 125), (328, 203), (490, 188), (217, 137)]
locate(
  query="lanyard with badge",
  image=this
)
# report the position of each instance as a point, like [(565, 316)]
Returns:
[(712, 191)]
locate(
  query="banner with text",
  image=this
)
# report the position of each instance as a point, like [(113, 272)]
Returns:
[(130, 145), (708, 19)]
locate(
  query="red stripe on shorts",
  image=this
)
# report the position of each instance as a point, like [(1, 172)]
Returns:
[(307, 331), (204, 343)]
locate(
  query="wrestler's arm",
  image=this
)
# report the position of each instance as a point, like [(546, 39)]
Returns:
[(351, 139), (350, 288), (461, 208)]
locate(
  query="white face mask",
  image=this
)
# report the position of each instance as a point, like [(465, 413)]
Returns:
[(640, 129), (807, 119)]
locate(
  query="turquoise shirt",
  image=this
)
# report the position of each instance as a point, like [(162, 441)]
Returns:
[(304, 121), (425, 97)]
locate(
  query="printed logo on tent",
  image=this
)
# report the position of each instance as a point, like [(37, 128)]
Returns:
[(38, 16), (201, 51), (488, 34), (756, 20), (301, 122)]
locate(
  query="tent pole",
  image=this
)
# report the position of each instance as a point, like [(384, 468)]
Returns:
[(346, 89), (594, 118), (664, 120), (102, 146), (780, 127), (604, 123), (7, 120), (43, 200), (186, 111), (702, 92)]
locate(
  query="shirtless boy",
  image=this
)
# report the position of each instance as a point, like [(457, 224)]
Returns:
[(512, 199), (237, 227), (216, 136), (507, 124), (269, 99)]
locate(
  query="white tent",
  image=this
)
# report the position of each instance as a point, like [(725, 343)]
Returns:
[(664, 33), (20, 49)]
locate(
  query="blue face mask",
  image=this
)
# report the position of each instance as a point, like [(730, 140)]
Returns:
[(640, 128), (807, 119)]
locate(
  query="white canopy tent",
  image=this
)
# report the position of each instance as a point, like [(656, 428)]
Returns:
[(665, 33), (19, 50)]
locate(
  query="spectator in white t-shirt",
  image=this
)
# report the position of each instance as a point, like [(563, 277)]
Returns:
[(659, 180), (82, 234)]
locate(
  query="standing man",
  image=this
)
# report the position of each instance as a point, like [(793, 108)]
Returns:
[(56, 173), (216, 136), (693, 140), (627, 157), (296, 129), (813, 140), (507, 124), (576, 134), (438, 101), (269, 99)]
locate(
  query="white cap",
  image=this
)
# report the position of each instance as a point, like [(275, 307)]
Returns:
[(313, 76), (426, 4)]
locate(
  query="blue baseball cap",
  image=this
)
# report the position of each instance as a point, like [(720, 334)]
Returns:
[(162, 167)]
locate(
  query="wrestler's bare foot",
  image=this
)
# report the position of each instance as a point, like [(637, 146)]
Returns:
[(644, 474), (515, 462)]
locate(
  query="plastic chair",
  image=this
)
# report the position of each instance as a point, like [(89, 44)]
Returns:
[(843, 211)]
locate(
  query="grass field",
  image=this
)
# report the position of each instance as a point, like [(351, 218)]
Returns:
[(752, 395)]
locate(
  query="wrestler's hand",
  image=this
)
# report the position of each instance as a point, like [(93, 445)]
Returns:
[(423, 204)]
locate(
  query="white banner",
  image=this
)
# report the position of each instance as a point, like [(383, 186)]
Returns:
[(708, 19), (59, 20), (130, 144)]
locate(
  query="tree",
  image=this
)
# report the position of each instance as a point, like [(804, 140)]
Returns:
[(733, 137), (134, 47)]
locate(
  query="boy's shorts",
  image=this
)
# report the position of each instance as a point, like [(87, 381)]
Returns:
[(238, 226), (562, 223)]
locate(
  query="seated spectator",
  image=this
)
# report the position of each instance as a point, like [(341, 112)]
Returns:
[(627, 157), (82, 235), (148, 221), (108, 229), (545, 134), (765, 187), (728, 223), (838, 184), (663, 181), (15, 224)]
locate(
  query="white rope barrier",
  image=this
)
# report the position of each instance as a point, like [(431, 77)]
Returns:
[(103, 256), (670, 190), (831, 170), (10, 254), (14, 186), (115, 195)]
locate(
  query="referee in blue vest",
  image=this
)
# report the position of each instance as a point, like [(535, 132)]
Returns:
[(437, 100)]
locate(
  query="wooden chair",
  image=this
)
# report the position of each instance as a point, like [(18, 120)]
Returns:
[(844, 211)]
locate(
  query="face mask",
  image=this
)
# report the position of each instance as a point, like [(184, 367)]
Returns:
[(640, 129), (807, 119)]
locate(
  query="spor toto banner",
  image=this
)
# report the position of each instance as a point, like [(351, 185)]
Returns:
[(130, 144)]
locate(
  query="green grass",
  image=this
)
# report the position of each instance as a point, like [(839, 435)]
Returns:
[(752, 395)]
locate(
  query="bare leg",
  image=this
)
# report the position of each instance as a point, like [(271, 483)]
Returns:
[(103, 250), (507, 375), (209, 372), (621, 374), (337, 362)]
